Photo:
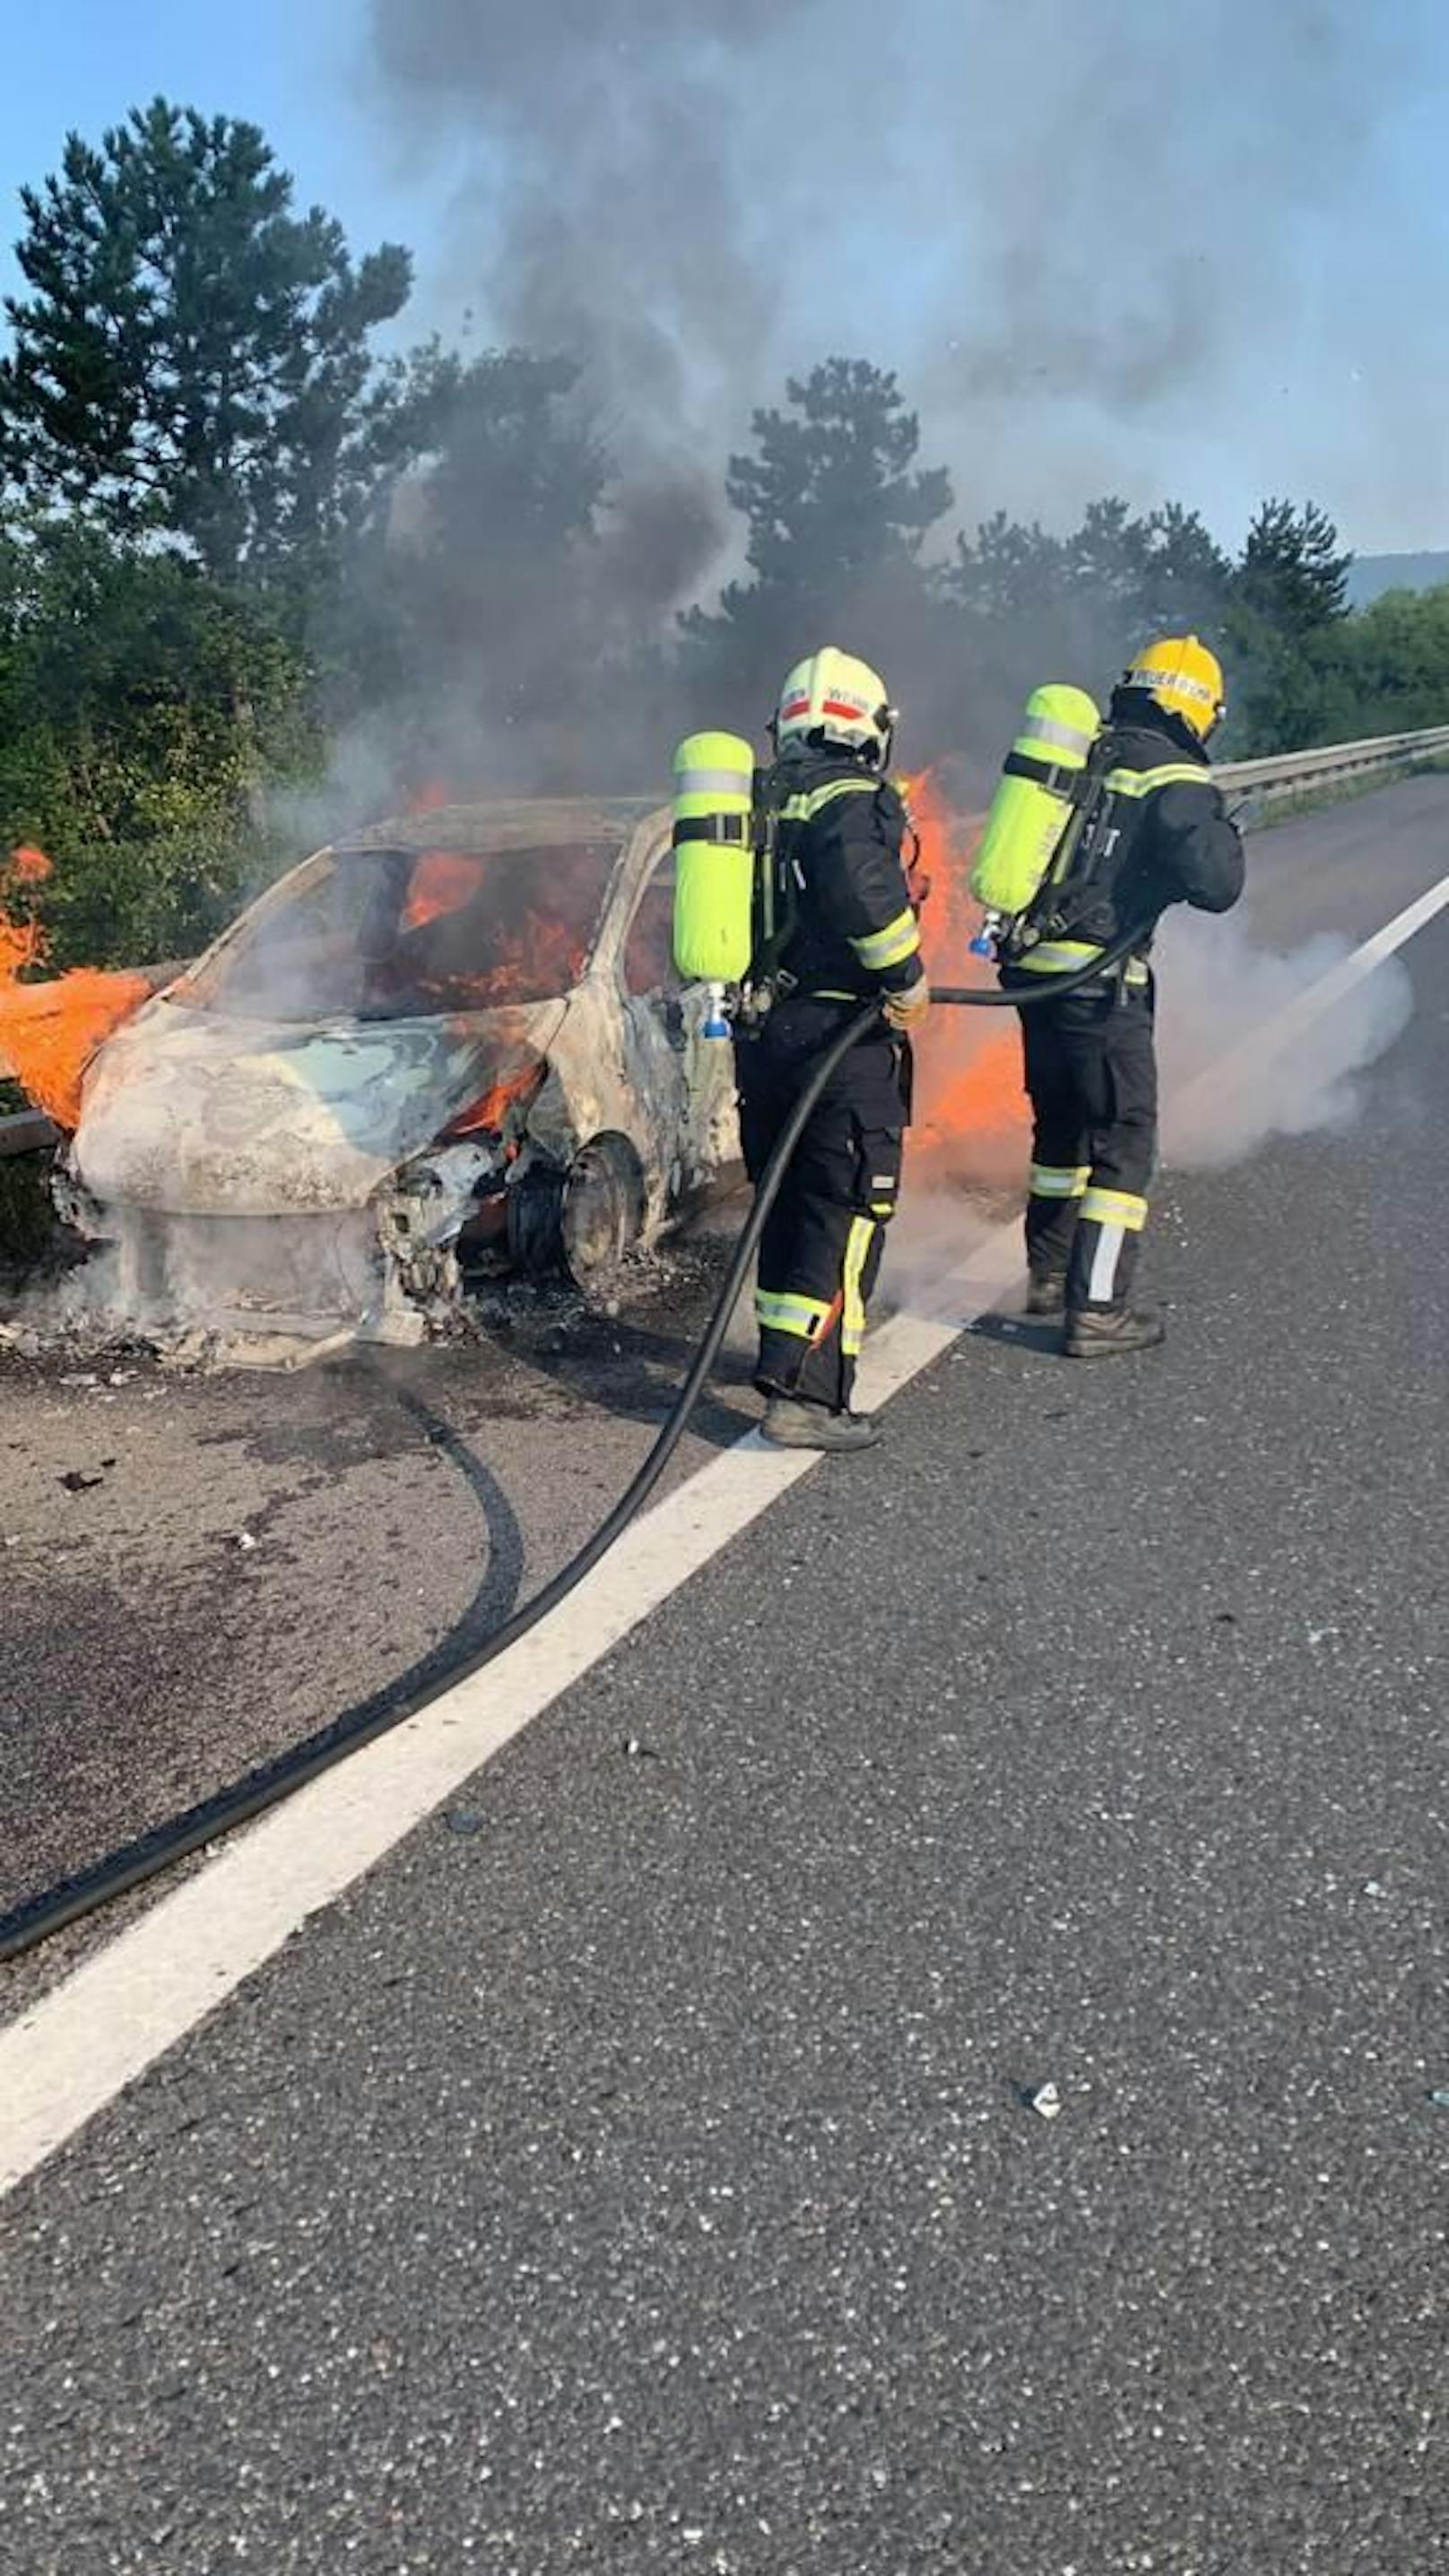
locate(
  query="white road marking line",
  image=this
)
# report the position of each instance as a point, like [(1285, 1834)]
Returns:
[(81, 2044)]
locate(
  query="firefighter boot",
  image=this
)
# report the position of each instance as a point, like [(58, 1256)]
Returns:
[(1046, 1293), (789, 1424), (1100, 1332)]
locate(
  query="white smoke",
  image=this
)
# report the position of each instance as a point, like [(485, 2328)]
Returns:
[(1246, 1051), (1253, 1042)]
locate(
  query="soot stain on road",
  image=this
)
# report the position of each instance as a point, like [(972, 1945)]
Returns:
[(266, 1551)]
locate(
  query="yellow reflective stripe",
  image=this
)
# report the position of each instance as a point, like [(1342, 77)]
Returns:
[(1145, 782), (800, 1315), (1059, 1180), (900, 939), (858, 1243), (820, 797), (826, 993), (1058, 956), (803, 807), (1063, 956), (1114, 1207)]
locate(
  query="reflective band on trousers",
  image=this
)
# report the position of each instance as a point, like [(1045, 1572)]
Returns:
[(858, 1244), (899, 939), (803, 1316), (1063, 737), (713, 782), (1059, 1180), (1114, 1207)]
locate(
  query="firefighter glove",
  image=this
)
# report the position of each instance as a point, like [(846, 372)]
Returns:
[(906, 1010)]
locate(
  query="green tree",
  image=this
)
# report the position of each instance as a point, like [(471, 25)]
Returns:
[(1399, 656), (1293, 574), (838, 513), (834, 493), (144, 713), (192, 361), (1290, 682), (1031, 606)]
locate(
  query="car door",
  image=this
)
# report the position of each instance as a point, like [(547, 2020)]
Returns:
[(692, 1073)]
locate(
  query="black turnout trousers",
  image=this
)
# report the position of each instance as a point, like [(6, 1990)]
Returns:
[(821, 1248), (1091, 1072)]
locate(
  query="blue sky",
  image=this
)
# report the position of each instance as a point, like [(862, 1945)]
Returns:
[(1327, 291)]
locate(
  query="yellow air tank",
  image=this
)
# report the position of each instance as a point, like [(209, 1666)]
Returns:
[(714, 858), (1036, 798)]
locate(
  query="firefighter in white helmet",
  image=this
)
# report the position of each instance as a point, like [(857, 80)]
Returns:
[(840, 929)]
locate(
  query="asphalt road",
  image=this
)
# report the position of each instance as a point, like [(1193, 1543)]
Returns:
[(647, 2178), (250, 1555)]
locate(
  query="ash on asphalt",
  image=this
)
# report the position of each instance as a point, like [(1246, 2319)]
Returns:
[(201, 1569)]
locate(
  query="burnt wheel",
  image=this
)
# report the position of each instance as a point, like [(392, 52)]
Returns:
[(578, 1224), (602, 1212)]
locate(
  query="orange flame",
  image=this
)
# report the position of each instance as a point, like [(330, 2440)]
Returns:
[(49, 1031), (970, 1105), (486, 1115)]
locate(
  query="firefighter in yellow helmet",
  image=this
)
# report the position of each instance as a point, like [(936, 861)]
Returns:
[(838, 927), (1155, 832)]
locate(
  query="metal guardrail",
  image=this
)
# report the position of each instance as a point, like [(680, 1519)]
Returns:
[(1283, 773), (28, 1132), (1288, 773)]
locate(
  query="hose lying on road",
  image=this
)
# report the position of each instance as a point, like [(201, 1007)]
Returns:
[(40, 1916)]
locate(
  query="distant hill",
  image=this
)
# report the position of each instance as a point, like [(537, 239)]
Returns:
[(1371, 575)]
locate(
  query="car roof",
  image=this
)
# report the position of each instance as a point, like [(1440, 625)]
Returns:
[(523, 823)]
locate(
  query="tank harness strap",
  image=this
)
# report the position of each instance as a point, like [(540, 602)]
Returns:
[(735, 828)]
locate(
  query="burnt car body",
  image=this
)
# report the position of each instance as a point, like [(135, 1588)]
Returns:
[(453, 1040)]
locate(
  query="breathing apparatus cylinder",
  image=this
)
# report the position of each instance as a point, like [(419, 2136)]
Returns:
[(714, 864), (1038, 794)]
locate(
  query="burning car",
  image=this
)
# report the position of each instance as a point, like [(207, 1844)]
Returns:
[(454, 1039)]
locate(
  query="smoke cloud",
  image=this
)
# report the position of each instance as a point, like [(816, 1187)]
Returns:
[(1243, 1055), (1092, 243)]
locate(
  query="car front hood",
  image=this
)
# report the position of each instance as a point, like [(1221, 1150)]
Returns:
[(198, 1114)]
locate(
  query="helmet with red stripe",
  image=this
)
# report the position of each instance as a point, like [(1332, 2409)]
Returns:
[(832, 698)]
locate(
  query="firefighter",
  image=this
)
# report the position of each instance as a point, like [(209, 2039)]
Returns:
[(842, 929), (1154, 832)]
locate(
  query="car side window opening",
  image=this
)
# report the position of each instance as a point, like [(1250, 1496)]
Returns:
[(648, 963), (396, 934)]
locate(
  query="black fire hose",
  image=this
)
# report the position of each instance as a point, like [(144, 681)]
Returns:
[(40, 1916)]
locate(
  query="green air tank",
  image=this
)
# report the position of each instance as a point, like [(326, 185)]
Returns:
[(1036, 797), (714, 858)]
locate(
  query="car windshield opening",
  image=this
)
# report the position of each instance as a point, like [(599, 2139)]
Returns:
[(404, 934)]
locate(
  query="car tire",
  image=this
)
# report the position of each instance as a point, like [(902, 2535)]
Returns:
[(602, 1213), (578, 1224)]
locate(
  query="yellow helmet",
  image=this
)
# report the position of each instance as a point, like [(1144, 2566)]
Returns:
[(834, 698), (1184, 678)]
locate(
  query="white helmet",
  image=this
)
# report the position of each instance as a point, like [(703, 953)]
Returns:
[(833, 698)]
